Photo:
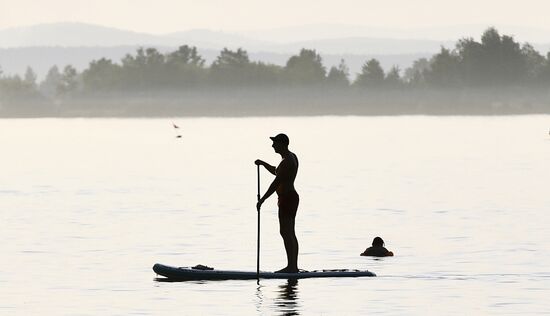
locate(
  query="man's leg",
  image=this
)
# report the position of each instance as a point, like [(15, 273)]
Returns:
[(293, 261), (287, 231)]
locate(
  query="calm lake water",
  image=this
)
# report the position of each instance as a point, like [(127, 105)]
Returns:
[(87, 206)]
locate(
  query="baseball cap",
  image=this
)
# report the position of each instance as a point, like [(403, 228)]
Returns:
[(280, 138)]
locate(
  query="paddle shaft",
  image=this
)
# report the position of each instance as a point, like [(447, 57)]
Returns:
[(258, 242)]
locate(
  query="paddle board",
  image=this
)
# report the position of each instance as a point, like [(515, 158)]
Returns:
[(188, 273)]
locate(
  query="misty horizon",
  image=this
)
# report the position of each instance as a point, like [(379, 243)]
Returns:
[(306, 32), (495, 75), (76, 44)]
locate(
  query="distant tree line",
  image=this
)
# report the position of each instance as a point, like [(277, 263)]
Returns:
[(497, 61)]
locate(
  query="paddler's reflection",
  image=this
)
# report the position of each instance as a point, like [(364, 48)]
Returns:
[(287, 300)]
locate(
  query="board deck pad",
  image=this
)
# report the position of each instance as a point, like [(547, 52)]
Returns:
[(188, 273)]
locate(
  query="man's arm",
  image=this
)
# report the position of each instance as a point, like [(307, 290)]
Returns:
[(279, 176), (272, 188), (268, 167)]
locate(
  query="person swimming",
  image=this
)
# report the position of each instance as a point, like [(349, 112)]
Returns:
[(377, 249)]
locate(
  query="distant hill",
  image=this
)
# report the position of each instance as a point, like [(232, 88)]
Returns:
[(87, 35), (364, 45), (72, 34), (216, 40), (346, 38), (437, 33)]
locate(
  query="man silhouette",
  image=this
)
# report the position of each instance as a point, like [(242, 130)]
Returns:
[(283, 184)]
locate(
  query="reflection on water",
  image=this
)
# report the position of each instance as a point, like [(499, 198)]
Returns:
[(287, 299), (259, 298)]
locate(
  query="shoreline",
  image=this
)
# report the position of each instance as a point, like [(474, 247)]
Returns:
[(251, 103)]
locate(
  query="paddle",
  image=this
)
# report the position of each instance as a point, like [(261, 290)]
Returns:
[(258, 248)]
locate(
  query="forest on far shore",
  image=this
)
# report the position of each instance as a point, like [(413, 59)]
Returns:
[(496, 75)]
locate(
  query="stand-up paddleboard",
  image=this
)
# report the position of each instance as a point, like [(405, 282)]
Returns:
[(187, 273)]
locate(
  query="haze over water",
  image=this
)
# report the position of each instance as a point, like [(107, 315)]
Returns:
[(87, 206)]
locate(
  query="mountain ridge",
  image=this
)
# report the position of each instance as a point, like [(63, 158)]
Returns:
[(71, 34)]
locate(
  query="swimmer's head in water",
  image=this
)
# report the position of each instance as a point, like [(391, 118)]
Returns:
[(378, 242)]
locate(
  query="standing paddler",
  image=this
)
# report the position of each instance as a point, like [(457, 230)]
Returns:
[(285, 174)]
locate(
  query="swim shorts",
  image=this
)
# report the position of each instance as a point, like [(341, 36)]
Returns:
[(288, 204)]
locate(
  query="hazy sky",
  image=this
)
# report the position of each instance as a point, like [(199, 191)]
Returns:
[(161, 16)]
